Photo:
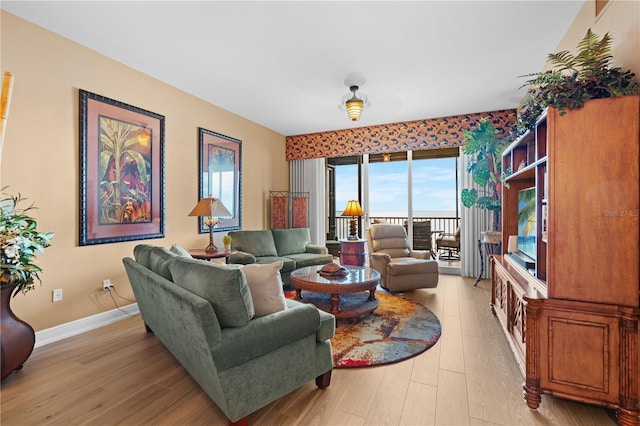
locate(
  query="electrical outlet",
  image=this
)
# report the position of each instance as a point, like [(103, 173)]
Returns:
[(106, 284), (57, 295)]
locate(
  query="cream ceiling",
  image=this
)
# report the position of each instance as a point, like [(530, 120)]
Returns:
[(287, 65)]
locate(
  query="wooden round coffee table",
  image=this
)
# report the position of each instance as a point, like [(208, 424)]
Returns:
[(348, 294)]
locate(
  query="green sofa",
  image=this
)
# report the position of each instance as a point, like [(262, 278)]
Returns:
[(291, 246), (203, 314)]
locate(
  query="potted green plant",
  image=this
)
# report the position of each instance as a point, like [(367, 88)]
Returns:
[(226, 240), (19, 242), (573, 80), (485, 167)]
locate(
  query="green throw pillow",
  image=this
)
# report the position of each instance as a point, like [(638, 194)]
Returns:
[(291, 241), (180, 251), (160, 258), (224, 286), (258, 243), (142, 254)]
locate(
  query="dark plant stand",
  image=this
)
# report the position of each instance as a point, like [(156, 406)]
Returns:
[(17, 338), (489, 248)]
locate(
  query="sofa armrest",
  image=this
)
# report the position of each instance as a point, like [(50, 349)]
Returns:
[(421, 254), (263, 335), (327, 322), (327, 326), (312, 248), (242, 258)]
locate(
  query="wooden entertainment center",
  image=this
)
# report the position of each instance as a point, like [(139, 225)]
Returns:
[(572, 318)]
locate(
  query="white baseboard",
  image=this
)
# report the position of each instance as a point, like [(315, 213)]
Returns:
[(82, 325)]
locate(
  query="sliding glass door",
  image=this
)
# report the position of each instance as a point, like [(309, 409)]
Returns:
[(388, 195), (402, 188), (435, 191)]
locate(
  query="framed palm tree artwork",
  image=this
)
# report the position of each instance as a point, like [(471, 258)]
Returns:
[(121, 171)]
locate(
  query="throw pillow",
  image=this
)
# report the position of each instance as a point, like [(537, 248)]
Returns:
[(180, 251), (265, 284), (291, 240), (160, 258), (142, 254), (258, 243), (224, 286)]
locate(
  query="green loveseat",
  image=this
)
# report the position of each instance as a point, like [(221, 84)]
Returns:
[(291, 246), (203, 314)]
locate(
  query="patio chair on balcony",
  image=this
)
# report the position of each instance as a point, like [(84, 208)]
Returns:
[(450, 244), (421, 236)]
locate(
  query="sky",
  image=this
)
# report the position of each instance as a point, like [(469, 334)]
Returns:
[(434, 186)]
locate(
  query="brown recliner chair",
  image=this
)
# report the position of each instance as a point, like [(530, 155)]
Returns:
[(400, 268)]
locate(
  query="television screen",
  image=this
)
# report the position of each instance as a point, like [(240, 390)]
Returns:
[(527, 222)]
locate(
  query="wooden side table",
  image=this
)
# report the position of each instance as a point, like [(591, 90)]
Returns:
[(352, 252), (208, 255)]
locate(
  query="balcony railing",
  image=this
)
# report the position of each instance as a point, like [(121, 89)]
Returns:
[(446, 225)]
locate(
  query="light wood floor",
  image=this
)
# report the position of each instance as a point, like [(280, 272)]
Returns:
[(119, 374)]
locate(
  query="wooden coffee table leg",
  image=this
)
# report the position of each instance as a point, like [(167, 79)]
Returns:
[(298, 294), (372, 294), (335, 299)]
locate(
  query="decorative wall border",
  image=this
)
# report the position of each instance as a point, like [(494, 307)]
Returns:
[(431, 133)]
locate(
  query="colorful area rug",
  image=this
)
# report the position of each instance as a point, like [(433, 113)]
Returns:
[(398, 329)]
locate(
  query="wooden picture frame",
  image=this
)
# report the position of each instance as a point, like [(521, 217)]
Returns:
[(220, 167), (121, 171)]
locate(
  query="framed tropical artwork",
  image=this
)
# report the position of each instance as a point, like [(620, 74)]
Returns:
[(220, 177), (121, 171)]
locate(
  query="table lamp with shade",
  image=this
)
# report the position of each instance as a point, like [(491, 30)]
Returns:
[(354, 210), (212, 209)]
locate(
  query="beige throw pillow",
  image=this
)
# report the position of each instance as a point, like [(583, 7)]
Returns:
[(265, 285)]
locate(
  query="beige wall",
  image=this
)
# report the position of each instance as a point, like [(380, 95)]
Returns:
[(41, 160), (40, 157), (621, 19)]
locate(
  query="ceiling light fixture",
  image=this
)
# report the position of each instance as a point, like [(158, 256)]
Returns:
[(354, 105)]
